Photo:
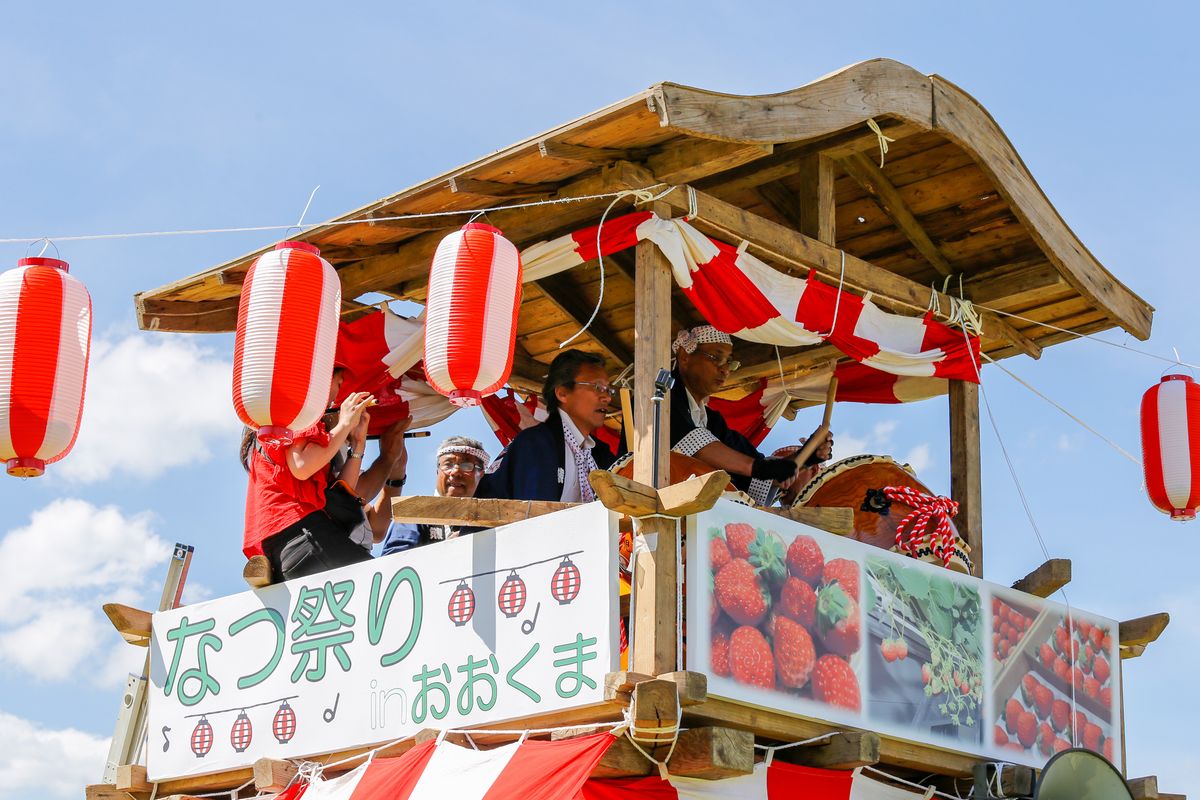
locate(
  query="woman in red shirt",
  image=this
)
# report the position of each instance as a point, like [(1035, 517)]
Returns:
[(286, 518)]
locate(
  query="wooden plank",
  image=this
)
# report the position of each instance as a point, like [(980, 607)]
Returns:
[(693, 159), (1131, 651), (132, 778), (830, 518), (655, 598), (583, 155), (875, 182), (1046, 579), (622, 760), (1145, 788), (845, 750), (498, 189), (692, 687), (652, 351), (106, 791), (966, 484), (257, 572), (654, 716), (565, 294), (623, 495), (694, 495), (815, 200), (1143, 630), (474, 511), (712, 753), (272, 774), (618, 686), (132, 623), (783, 201)]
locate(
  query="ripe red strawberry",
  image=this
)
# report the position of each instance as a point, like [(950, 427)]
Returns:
[(1061, 744), (1028, 683), (767, 555), (1012, 714), (1077, 678), (1046, 654), (1101, 669), (1060, 715), (1042, 698), (805, 559), (999, 736), (1062, 641), (845, 572), (1027, 729), (926, 675), (964, 687), (739, 535), (719, 653), (718, 552), (1097, 637), (750, 659), (798, 601), (837, 620), (887, 649), (1081, 721), (1091, 687), (1106, 643), (1108, 748), (1061, 669), (834, 683), (901, 649), (794, 653), (1045, 739), (1083, 627), (1106, 697), (1092, 737), (740, 594)]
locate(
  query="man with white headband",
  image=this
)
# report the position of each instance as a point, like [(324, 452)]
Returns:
[(460, 461), (702, 365)]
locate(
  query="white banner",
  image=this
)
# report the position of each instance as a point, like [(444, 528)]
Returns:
[(501, 624)]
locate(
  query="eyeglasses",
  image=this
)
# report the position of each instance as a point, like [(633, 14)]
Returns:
[(599, 388), (448, 467), (722, 363)]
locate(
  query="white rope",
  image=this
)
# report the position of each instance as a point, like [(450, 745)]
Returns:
[(635, 735), (913, 784), (884, 141)]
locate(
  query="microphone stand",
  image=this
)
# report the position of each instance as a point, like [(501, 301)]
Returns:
[(662, 385)]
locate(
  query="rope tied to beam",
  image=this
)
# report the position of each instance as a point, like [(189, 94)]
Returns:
[(884, 140)]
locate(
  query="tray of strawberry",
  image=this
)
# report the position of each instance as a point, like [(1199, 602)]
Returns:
[(1038, 717), (1010, 622)]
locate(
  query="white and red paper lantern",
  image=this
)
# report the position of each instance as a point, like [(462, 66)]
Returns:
[(511, 599), (471, 313), (283, 726), (242, 732), (202, 738), (1171, 446), (286, 341), (45, 337), (564, 585), (462, 604)]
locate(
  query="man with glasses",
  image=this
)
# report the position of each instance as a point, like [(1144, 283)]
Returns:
[(702, 364), (551, 461), (460, 461)]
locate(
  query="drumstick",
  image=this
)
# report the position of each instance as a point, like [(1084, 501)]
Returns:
[(822, 430), (627, 415)]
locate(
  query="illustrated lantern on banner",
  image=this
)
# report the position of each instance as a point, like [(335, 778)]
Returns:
[(564, 586), (45, 337), (1171, 446), (286, 341), (241, 733), (512, 595), (462, 604), (202, 738), (471, 313), (284, 724)]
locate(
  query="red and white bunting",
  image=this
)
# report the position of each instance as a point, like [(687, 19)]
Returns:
[(45, 338)]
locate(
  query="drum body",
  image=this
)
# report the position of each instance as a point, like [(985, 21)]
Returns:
[(857, 482)]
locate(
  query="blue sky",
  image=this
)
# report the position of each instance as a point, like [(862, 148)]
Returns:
[(167, 116)]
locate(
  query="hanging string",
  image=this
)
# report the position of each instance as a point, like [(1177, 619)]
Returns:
[(884, 141), (925, 789)]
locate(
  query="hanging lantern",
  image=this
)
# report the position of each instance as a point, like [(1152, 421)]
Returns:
[(1171, 445), (512, 595), (241, 733), (564, 586), (202, 738), (284, 724), (45, 336), (462, 604), (471, 313), (286, 338)]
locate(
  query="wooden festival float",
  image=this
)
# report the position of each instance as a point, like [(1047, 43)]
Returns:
[(794, 180)]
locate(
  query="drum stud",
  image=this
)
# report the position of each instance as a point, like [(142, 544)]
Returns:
[(876, 501)]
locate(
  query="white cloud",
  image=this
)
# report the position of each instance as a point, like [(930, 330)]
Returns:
[(918, 458), (56, 572), (154, 401), (45, 763)]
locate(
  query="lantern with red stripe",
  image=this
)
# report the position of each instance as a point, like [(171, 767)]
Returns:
[(286, 338), (202, 737), (1171, 446), (241, 733), (511, 599), (462, 604), (471, 313), (283, 726), (564, 585), (45, 337)]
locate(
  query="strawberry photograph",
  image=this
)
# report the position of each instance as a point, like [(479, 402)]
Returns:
[(785, 615), (924, 653)]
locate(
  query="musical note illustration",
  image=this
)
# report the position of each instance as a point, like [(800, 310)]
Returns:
[(528, 625), (166, 741), (330, 713)]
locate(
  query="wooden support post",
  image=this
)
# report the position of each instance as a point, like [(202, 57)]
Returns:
[(272, 775), (106, 791), (653, 714), (1143, 630), (257, 572), (712, 754), (816, 201), (1145, 788), (132, 778), (652, 351), (840, 751), (692, 686), (1046, 579), (655, 597), (965, 481)]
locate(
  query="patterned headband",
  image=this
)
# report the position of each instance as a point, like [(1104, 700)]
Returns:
[(462, 449), (688, 341)]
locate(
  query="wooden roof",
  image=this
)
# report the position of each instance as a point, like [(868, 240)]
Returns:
[(953, 199)]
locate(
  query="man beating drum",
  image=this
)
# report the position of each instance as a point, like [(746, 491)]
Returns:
[(703, 361)]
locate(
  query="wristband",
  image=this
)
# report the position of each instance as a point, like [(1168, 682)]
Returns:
[(395, 484), (355, 455)]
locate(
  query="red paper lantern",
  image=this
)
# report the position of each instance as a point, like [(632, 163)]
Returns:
[(202, 738), (286, 339), (241, 733), (512, 595), (462, 604), (471, 313), (1171, 445), (45, 337), (564, 586), (284, 724)]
